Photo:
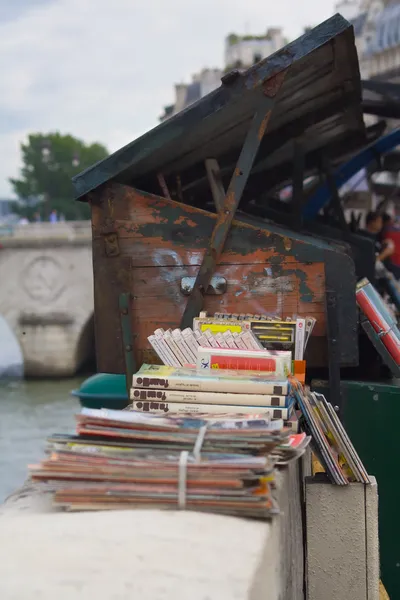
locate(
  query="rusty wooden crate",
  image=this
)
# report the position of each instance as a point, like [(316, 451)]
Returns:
[(165, 208)]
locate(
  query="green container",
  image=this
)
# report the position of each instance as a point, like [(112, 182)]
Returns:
[(369, 415), (103, 390)]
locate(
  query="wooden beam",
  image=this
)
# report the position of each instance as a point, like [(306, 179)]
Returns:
[(215, 180)]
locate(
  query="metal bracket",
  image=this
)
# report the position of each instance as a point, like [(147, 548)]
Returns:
[(216, 287), (232, 198), (126, 328)]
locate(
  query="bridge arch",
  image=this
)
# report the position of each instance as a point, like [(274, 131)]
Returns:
[(46, 295)]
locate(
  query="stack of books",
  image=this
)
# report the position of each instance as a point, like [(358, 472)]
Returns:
[(124, 459), (237, 342), (272, 333), (212, 393)]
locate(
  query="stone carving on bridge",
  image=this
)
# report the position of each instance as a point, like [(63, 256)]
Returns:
[(42, 279)]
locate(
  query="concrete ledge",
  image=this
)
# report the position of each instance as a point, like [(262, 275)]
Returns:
[(342, 541), (149, 554)]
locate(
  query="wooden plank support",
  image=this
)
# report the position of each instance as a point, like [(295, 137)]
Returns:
[(333, 348), (126, 320), (335, 202), (163, 186), (215, 181), (232, 198)]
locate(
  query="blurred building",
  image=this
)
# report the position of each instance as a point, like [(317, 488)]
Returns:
[(377, 30), (240, 52), (187, 93), (243, 51)]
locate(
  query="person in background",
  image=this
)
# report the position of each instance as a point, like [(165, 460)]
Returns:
[(37, 218), (390, 237), (373, 228), (53, 218)]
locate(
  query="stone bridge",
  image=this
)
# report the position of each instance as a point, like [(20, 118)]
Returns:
[(46, 295)]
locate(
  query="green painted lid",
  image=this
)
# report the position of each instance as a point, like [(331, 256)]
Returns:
[(103, 385)]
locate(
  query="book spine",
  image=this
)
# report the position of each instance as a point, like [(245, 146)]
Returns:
[(239, 342), (203, 341), (310, 323), (190, 341), (228, 337), (169, 340), (158, 350), (186, 350), (164, 346), (292, 424), (195, 397), (220, 340), (176, 408), (300, 338), (212, 341), (172, 378), (250, 343)]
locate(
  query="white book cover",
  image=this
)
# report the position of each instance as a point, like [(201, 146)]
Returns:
[(211, 339), (158, 350), (203, 341), (239, 342), (195, 397), (300, 339), (228, 337), (162, 377), (190, 340), (169, 340), (221, 340), (190, 356), (277, 363), (160, 407), (167, 351)]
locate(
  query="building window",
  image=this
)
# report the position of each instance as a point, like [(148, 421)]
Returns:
[(256, 58)]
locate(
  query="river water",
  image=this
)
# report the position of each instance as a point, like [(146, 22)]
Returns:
[(30, 411)]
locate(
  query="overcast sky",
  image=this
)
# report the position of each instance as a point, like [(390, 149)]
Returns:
[(103, 70)]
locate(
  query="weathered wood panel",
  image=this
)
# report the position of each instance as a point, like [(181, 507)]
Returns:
[(248, 286), (144, 245)]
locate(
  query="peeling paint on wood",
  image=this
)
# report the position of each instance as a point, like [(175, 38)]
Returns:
[(267, 270)]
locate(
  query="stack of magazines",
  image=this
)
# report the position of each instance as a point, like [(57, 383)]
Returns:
[(382, 321), (212, 393), (330, 441), (124, 459)]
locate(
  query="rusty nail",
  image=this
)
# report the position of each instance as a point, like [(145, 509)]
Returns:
[(128, 348), (124, 311)]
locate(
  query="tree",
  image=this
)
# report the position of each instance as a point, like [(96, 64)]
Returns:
[(48, 164)]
